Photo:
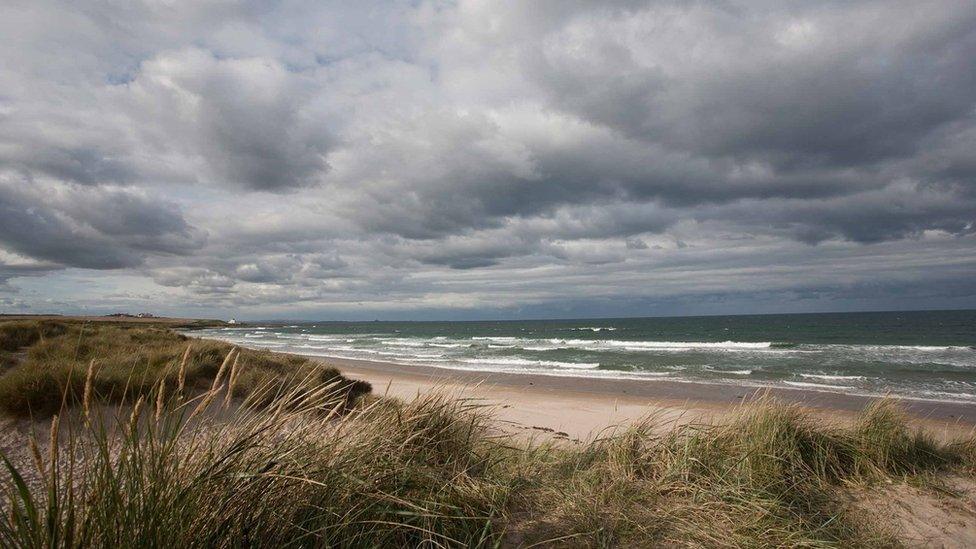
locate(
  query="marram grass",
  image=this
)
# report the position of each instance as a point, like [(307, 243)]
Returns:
[(298, 470)]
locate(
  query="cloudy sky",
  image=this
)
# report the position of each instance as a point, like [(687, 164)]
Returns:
[(486, 159)]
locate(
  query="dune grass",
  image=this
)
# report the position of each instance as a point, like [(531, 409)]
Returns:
[(769, 476), (127, 361), (295, 465), (17, 334), (301, 472)]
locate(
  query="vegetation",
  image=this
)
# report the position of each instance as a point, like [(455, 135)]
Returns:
[(127, 361), (769, 476), (296, 465), (15, 335)]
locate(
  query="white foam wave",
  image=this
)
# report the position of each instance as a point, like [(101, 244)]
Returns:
[(409, 342), (739, 372), (817, 385), (934, 348), (395, 354), (524, 362), (902, 348), (949, 397), (403, 342), (660, 345), (831, 377), (324, 338)]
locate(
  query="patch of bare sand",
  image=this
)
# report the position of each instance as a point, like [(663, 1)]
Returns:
[(924, 517), (538, 413), (73, 429)]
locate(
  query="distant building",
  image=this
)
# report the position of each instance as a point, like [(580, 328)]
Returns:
[(129, 315), (232, 321)]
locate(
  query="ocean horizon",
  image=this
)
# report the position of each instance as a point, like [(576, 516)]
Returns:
[(928, 355)]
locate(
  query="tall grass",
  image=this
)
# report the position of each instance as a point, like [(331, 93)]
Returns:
[(15, 335), (299, 472), (306, 471), (768, 476)]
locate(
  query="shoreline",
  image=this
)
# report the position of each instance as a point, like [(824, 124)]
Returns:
[(580, 407)]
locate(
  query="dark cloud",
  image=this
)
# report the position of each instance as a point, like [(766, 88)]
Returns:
[(80, 165), (900, 211), (90, 228), (635, 244), (198, 280), (245, 120), (807, 85)]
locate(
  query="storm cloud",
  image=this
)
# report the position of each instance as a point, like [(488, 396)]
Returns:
[(98, 228), (466, 159)]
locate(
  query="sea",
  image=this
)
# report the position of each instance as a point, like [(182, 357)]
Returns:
[(928, 355)]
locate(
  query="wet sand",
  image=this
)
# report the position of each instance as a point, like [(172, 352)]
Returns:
[(581, 408)]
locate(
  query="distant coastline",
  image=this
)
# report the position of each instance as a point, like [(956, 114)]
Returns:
[(171, 322), (925, 356)]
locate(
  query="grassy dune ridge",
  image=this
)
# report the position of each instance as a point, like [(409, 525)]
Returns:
[(298, 464), (127, 361)]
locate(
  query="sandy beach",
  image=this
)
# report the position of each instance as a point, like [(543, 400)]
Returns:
[(583, 408)]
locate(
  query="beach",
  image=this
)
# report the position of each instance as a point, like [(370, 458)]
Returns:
[(517, 459), (583, 408)]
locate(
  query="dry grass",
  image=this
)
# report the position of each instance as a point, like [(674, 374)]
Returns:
[(127, 361), (15, 335), (768, 476)]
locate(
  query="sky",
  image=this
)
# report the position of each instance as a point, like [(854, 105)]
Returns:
[(486, 159)]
